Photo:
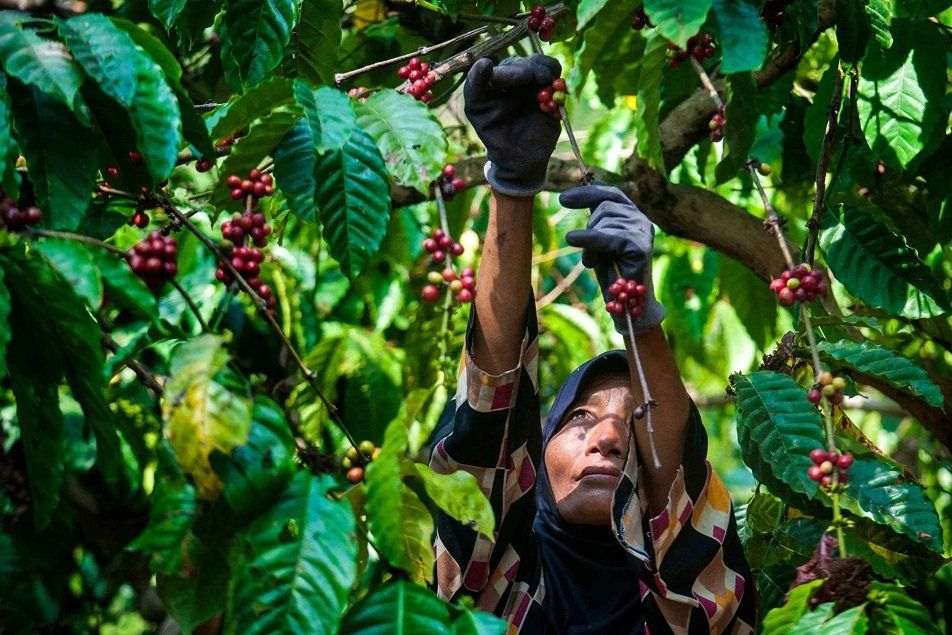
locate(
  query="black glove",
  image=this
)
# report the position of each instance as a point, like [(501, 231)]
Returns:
[(519, 138), (617, 233)]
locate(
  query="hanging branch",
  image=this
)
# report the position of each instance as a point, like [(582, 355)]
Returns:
[(262, 306), (823, 165)]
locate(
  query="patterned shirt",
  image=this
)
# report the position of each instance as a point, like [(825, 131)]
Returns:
[(694, 575)]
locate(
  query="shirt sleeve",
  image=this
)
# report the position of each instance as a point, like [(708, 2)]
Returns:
[(698, 579), (496, 436)]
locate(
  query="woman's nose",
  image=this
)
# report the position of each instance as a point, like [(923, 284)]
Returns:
[(607, 437)]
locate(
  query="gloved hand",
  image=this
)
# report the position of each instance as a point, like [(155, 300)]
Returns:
[(617, 233), (519, 138)]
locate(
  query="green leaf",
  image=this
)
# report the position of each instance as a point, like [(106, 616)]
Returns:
[(741, 126), (894, 611), (880, 13), (166, 11), (254, 37), (822, 620), (127, 74), (317, 39), (252, 149), (293, 566), (815, 119), (777, 427), (409, 138), (257, 470), (678, 20), (647, 121), (5, 328), (477, 623), (197, 593), (255, 103), (201, 414), (610, 26), (900, 95), (459, 495), (871, 359), (40, 63), (780, 620), (353, 196), (742, 36), (124, 288), (174, 508), (754, 303), (880, 268), (56, 146), (193, 126), (399, 521), (294, 161), (330, 114), (75, 262), (852, 29), (398, 607), (877, 490)]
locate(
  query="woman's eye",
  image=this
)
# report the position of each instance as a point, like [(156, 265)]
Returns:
[(579, 416)]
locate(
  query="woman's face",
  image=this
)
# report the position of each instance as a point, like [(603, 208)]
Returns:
[(585, 458)]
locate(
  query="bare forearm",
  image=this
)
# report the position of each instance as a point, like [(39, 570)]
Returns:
[(669, 418), (501, 282)]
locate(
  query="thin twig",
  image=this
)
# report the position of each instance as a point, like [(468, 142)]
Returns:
[(773, 219), (79, 238), (495, 19), (191, 303), (823, 165), (707, 83), (560, 288), (340, 78), (146, 376)]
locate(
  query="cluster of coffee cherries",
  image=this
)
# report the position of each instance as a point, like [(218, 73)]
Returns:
[(551, 97), (626, 296), (16, 219), (421, 79), (825, 463), (462, 286), (246, 259), (449, 183), (700, 47), (154, 259), (258, 185), (827, 386), (716, 125), (640, 20), (357, 458), (541, 23), (439, 244), (802, 283)]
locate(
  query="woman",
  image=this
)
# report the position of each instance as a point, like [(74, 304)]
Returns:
[(592, 535)]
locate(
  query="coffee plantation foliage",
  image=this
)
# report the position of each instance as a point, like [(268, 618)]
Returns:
[(172, 438)]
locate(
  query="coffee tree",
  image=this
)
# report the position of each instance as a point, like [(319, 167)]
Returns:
[(239, 240)]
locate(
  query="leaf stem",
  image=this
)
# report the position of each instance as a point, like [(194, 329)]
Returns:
[(190, 302), (144, 375)]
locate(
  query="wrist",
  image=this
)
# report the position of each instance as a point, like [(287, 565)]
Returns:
[(516, 185)]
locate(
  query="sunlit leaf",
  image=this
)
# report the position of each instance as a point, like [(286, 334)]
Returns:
[(677, 20), (459, 495)]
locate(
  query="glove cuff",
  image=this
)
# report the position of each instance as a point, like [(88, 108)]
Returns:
[(525, 187)]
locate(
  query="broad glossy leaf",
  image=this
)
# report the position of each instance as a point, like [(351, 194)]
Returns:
[(777, 427), (753, 302), (677, 20), (822, 620), (257, 470), (647, 119), (400, 523), (474, 622), (408, 136), (130, 76), (852, 29), (871, 359), (587, 10), (294, 161), (612, 23), (743, 36), (56, 146), (316, 40), (174, 508), (880, 268), (398, 607), (253, 104), (880, 13), (166, 11), (40, 62), (251, 149), (294, 565), (780, 620), (330, 114), (76, 263), (353, 196), (124, 288), (896, 612), (877, 490), (201, 414), (764, 513), (900, 93), (741, 126), (255, 35), (459, 495)]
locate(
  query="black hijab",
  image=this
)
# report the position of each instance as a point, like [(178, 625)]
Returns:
[(591, 582)]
